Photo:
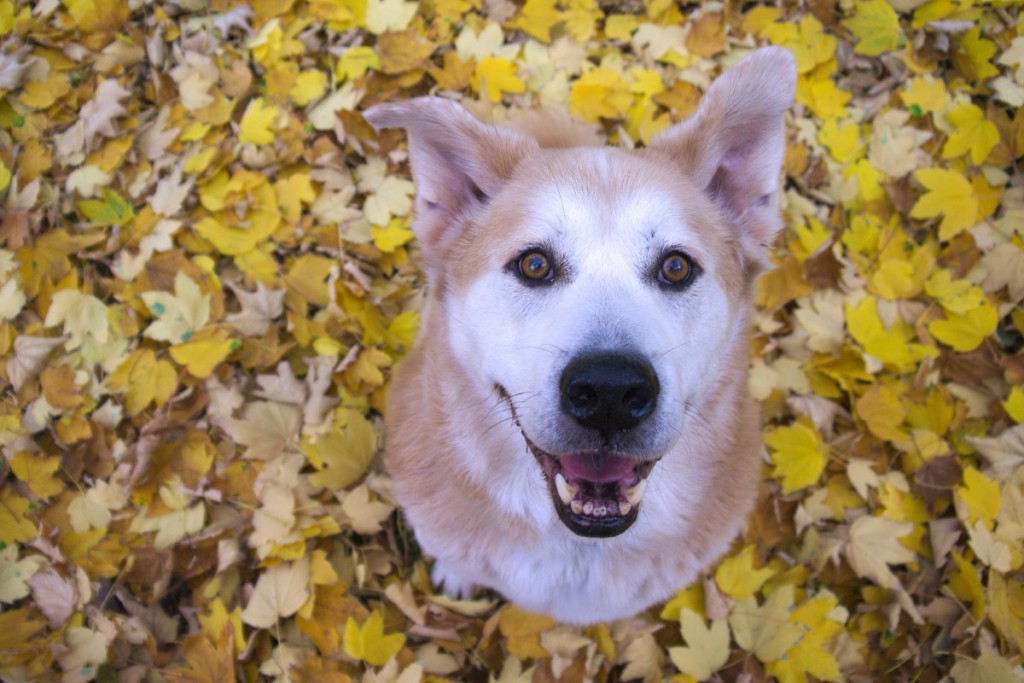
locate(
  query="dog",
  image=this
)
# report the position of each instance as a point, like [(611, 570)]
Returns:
[(573, 427)]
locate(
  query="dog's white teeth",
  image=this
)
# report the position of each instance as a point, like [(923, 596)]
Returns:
[(588, 508), (624, 508), (634, 494), (600, 511), (566, 491), (577, 507)]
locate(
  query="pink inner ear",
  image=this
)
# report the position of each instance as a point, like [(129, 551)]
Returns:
[(738, 182)]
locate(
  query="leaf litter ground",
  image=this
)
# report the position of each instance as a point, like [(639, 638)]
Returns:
[(206, 277)]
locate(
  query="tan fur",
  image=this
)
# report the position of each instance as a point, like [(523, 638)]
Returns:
[(553, 130), (456, 453)]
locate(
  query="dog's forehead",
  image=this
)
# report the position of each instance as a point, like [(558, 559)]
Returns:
[(609, 198)]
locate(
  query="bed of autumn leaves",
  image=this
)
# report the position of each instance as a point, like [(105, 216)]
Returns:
[(207, 274)]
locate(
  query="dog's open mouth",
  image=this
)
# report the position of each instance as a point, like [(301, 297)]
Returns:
[(595, 494)]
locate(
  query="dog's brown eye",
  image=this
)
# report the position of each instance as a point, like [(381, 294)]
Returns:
[(675, 269), (535, 265)]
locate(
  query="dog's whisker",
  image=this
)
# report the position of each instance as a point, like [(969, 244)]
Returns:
[(662, 354)]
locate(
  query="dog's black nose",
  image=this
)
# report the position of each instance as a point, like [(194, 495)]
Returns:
[(611, 392)]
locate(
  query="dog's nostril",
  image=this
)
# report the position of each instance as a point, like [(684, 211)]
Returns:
[(638, 400), (582, 397), (610, 392)]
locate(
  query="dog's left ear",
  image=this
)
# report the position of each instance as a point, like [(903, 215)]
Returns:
[(732, 147)]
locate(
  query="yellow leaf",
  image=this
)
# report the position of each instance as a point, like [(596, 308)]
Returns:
[(5, 176), (1014, 404), (894, 279), (620, 26), (598, 94), (145, 380), (522, 630), (537, 19), (759, 17), (342, 455), (229, 240), (765, 630), (369, 643), (737, 577), (18, 627), (809, 656), (6, 24), (973, 55), (950, 195), (956, 296), (495, 76), (707, 649), (245, 211), (356, 61), (981, 497), (98, 15), (822, 96), (111, 210), (966, 332), (876, 26), (891, 346), (924, 95), (691, 597), (391, 237), (292, 192), (257, 123), (843, 143), (798, 453), (1006, 607), (972, 133), (42, 94), (37, 470), (309, 86), (881, 410), (810, 44), (205, 352), (14, 526), (215, 618)]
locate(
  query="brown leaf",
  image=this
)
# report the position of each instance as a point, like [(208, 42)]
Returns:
[(60, 389), (403, 51), (934, 481), (206, 663), (455, 73), (707, 35)]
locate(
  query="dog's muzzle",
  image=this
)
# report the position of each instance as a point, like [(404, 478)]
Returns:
[(596, 491)]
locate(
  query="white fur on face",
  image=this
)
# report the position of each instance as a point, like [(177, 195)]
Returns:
[(606, 247)]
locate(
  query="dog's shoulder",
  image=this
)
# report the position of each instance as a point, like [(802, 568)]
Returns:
[(555, 129)]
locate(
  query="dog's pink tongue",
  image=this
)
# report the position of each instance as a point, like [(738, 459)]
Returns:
[(597, 467)]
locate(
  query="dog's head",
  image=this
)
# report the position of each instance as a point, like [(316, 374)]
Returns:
[(601, 295)]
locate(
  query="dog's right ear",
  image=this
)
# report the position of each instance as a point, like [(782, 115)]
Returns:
[(458, 162)]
